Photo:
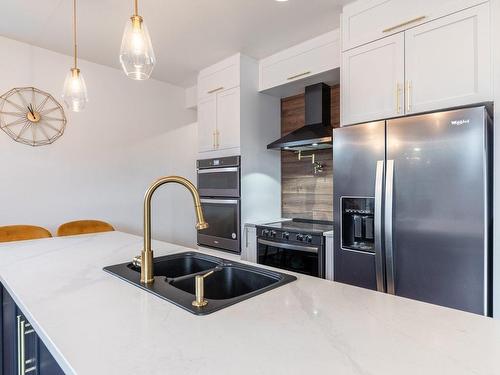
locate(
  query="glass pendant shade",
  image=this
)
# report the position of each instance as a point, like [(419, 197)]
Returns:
[(75, 91), (136, 54)]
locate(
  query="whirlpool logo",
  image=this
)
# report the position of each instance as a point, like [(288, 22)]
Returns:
[(460, 122)]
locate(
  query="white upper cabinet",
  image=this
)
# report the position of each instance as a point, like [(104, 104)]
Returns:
[(207, 124), (372, 81), (228, 119), (219, 77), (448, 61), (367, 20), (439, 64), (310, 61)]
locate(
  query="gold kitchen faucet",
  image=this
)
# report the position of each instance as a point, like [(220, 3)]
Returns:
[(147, 272)]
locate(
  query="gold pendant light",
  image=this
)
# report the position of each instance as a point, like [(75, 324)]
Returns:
[(75, 91), (136, 54)]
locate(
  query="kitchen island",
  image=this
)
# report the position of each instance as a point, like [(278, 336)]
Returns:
[(94, 323)]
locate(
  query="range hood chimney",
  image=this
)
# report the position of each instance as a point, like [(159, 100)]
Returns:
[(317, 132)]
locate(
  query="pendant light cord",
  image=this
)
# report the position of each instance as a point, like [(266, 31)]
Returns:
[(136, 8), (74, 32)]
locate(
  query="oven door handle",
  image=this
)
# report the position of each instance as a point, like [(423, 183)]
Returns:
[(217, 170), (308, 249), (220, 201)]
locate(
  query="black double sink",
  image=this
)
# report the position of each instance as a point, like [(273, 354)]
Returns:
[(232, 282)]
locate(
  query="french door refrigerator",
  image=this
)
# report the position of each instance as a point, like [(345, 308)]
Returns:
[(412, 207)]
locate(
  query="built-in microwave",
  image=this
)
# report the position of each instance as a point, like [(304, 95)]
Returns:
[(219, 177)]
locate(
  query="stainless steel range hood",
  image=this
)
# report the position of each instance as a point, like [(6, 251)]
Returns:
[(317, 132)]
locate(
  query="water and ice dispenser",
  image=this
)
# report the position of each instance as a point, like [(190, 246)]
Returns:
[(358, 223)]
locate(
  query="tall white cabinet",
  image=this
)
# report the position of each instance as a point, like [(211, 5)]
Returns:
[(234, 118), (427, 63)]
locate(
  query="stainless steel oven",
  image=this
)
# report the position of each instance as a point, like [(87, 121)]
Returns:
[(297, 245), (219, 187), (223, 218), (219, 177), (307, 259)]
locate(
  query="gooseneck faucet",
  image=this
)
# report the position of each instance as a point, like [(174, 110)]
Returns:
[(147, 273)]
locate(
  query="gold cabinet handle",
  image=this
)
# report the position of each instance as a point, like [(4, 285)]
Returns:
[(392, 28), (21, 347), (408, 96), (215, 90), (299, 75), (213, 139), (398, 98), (216, 138)]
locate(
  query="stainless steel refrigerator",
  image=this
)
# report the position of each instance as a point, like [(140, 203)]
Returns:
[(412, 207)]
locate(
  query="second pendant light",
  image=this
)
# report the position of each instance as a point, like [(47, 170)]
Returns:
[(136, 54), (75, 91)]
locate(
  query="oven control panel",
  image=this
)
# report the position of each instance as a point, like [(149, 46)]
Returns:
[(289, 236), (230, 161)]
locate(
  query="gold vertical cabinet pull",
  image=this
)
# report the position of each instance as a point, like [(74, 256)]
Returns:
[(408, 96), (215, 90), (299, 75), (398, 98), (213, 139), (216, 139), (392, 28), (21, 347)]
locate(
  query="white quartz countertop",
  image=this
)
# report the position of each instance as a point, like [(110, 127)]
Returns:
[(95, 323)]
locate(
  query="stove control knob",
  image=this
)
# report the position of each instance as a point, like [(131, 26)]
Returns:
[(308, 238), (265, 232), (273, 233), (300, 237), (285, 235)]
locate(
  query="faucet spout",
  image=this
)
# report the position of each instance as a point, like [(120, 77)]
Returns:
[(147, 274)]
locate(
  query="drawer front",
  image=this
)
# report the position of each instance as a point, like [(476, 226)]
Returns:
[(278, 70), (368, 20), (227, 77)]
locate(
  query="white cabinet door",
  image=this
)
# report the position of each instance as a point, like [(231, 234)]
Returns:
[(221, 76), (365, 21), (207, 120), (448, 61), (372, 81), (228, 119), (249, 252), (307, 59)]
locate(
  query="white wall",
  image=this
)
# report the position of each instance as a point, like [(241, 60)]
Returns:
[(130, 133), (495, 18)]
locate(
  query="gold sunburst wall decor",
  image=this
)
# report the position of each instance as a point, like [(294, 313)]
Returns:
[(31, 116)]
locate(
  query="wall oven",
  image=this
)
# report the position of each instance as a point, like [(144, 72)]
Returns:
[(219, 177), (223, 218), (219, 187)]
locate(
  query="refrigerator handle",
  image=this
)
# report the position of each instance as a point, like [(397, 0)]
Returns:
[(379, 263), (389, 254)]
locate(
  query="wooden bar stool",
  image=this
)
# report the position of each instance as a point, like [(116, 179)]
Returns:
[(73, 228), (10, 233)]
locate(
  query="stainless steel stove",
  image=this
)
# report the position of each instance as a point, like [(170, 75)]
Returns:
[(296, 245)]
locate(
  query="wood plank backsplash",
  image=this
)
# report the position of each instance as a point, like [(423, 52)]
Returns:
[(304, 194)]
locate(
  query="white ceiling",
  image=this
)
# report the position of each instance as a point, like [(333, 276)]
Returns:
[(187, 34)]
